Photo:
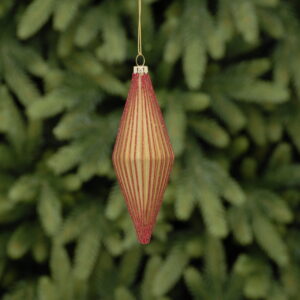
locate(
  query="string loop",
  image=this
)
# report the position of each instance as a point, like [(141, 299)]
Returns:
[(137, 60)]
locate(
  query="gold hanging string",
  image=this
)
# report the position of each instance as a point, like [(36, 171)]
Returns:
[(140, 28), (139, 46)]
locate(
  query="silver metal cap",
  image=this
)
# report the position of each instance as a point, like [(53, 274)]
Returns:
[(140, 69)]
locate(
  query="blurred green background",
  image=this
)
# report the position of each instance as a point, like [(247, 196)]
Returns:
[(227, 76)]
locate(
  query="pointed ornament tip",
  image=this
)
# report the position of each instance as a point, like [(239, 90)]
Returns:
[(144, 233)]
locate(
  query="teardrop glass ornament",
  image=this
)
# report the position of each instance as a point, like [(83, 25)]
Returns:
[(143, 155)]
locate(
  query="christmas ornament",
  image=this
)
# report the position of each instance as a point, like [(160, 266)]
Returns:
[(143, 155)]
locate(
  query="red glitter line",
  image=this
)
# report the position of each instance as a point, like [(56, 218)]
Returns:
[(166, 143), (128, 146), (150, 136), (143, 146), (135, 148), (134, 122), (155, 109), (121, 167), (158, 162)]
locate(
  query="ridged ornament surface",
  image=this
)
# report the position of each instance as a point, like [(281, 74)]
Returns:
[(142, 156)]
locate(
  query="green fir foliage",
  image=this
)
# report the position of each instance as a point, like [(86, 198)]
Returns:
[(227, 76)]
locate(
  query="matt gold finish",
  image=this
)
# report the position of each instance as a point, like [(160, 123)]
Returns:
[(143, 155)]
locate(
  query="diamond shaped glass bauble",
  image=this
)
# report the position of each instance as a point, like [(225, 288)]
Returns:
[(143, 155)]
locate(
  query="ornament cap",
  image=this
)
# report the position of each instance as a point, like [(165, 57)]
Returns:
[(140, 70)]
